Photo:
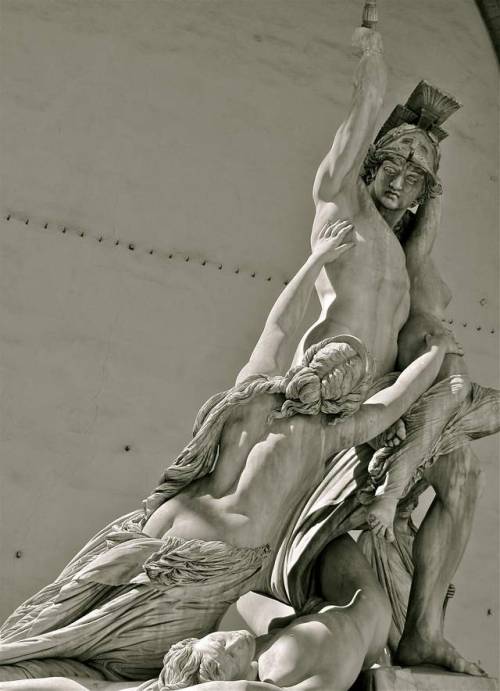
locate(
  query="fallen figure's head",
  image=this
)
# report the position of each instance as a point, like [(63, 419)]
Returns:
[(219, 656)]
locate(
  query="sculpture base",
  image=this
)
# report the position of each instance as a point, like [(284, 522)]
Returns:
[(421, 679)]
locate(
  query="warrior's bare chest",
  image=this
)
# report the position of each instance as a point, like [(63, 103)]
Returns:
[(376, 244), (377, 249), (377, 259)]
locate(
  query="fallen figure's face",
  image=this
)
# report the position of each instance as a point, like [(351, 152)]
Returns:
[(219, 656)]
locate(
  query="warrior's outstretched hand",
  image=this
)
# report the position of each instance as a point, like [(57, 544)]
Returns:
[(331, 241)]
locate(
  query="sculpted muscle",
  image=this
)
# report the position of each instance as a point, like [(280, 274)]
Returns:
[(368, 293), (341, 165)]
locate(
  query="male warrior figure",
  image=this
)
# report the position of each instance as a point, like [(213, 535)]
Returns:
[(369, 296)]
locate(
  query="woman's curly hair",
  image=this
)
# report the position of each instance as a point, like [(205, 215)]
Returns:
[(333, 378)]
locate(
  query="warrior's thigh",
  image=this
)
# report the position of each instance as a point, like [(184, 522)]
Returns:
[(456, 477)]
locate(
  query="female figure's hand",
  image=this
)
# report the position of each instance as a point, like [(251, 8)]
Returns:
[(334, 239)]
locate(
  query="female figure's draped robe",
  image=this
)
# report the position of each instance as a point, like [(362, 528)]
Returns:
[(338, 504), (122, 601), (126, 597)]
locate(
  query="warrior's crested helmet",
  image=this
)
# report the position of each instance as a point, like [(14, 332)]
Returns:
[(413, 130)]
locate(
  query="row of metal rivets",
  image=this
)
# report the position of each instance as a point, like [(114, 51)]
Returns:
[(132, 246), (465, 325), (204, 262)]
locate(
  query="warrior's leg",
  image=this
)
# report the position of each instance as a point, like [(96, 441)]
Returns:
[(424, 425), (437, 552)]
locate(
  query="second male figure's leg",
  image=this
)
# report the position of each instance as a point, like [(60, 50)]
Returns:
[(438, 549)]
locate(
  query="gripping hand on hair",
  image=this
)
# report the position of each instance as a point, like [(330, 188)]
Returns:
[(335, 238)]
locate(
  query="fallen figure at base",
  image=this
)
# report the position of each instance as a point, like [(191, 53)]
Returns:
[(334, 642)]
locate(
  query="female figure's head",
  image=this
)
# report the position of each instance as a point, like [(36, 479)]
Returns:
[(333, 378), (220, 656)]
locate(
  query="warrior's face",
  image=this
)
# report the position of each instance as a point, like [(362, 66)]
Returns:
[(401, 169), (398, 183)]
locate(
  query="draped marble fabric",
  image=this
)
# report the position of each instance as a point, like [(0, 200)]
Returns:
[(122, 601), (476, 417), (393, 564), (334, 507), (452, 413)]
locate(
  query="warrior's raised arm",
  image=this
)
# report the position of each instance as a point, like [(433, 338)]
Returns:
[(342, 164)]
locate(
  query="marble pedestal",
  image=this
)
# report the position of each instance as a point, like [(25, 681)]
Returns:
[(421, 679)]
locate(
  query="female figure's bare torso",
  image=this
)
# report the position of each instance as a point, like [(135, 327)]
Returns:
[(262, 473)]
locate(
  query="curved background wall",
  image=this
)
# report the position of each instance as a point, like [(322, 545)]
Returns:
[(193, 128)]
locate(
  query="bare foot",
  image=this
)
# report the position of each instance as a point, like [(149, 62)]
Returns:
[(416, 650), (380, 517)]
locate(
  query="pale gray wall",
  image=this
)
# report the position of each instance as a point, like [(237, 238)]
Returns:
[(194, 127)]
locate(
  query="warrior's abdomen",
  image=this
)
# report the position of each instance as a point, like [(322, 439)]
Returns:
[(365, 293)]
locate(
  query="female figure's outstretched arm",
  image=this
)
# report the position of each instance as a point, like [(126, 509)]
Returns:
[(384, 408), (280, 336)]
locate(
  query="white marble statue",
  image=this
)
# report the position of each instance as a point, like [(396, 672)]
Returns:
[(263, 496), (213, 524)]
